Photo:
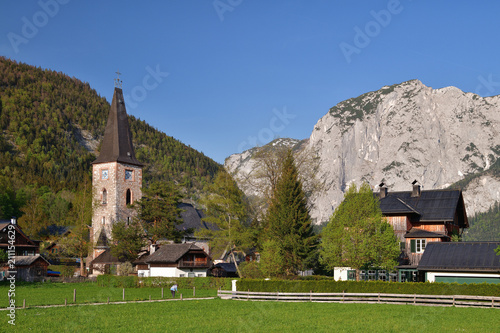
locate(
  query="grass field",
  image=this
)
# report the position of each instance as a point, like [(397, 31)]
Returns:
[(240, 316), (55, 293)]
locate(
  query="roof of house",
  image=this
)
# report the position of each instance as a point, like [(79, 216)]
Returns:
[(192, 219), (420, 233), (171, 253), (117, 141), (460, 256), (433, 205), (229, 267), (28, 260), (106, 258)]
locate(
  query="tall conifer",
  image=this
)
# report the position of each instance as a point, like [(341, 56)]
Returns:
[(288, 223)]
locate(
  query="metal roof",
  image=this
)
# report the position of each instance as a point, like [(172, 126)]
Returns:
[(434, 205), (460, 256), (117, 141)]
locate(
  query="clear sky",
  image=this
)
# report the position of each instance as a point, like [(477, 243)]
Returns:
[(225, 75)]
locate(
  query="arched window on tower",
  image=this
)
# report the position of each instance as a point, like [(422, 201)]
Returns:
[(104, 197), (128, 197)]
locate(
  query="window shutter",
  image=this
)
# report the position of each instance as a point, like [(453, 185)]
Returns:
[(413, 245)]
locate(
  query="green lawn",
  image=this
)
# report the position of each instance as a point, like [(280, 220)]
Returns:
[(241, 316), (55, 293)]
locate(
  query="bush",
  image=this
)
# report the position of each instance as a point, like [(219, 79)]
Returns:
[(251, 270), (125, 269), (67, 271), (183, 283), (330, 286)]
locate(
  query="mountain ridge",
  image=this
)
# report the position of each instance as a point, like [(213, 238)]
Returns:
[(404, 132)]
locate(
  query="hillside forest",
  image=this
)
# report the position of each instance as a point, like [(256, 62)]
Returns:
[(50, 129)]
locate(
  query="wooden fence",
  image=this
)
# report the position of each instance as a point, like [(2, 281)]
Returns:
[(427, 300)]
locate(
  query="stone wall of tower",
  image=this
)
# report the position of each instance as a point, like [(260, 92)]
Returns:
[(110, 195)]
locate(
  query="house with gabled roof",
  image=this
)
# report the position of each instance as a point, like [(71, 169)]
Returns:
[(421, 217), (462, 262), (174, 260)]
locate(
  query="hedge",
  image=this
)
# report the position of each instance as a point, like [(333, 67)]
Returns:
[(186, 282), (329, 286)]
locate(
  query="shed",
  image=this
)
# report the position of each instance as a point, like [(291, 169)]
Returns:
[(462, 262)]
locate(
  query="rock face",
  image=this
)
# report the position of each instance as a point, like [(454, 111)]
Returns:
[(407, 132)]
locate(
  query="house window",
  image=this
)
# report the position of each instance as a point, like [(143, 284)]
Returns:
[(417, 245), (128, 197), (104, 197), (103, 220)]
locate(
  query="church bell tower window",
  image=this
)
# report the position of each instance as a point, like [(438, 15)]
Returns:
[(128, 197)]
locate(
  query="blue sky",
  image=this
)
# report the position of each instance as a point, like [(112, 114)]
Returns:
[(225, 75)]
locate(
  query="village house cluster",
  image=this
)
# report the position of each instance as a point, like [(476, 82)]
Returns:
[(424, 222)]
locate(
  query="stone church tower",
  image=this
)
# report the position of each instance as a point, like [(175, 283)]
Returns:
[(116, 176)]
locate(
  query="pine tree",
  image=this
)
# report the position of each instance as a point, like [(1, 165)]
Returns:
[(288, 223), (159, 211)]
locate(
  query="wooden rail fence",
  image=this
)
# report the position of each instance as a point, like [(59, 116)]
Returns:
[(427, 300)]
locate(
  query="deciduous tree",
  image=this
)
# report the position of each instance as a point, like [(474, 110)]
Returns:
[(227, 209), (357, 235)]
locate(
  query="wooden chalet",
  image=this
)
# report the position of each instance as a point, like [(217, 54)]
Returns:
[(462, 262), (30, 266), (420, 217), (175, 260)]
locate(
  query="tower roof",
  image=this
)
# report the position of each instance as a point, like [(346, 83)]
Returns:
[(117, 142)]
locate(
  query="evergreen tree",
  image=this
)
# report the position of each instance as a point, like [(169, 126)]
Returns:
[(288, 227), (127, 240), (357, 235), (226, 208), (159, 211)]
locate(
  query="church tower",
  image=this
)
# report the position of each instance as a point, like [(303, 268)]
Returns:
[(116, 176)]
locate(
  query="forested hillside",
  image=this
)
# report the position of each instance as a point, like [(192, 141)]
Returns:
[(50, 124)]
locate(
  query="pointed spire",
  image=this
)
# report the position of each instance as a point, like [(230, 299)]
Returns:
[(117, 142)]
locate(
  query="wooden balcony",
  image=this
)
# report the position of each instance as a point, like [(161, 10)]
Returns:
[(194, 264)]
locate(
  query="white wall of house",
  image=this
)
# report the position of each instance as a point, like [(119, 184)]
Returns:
[(340, 273), (143, 272), (175, 272), (431, 276)]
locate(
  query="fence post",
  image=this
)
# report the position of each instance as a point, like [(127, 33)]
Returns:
[(378, 301), (248, 294), (492, 302), (123, 294), (24, 303), (194, 291), (310, 295), (74, 295), (162, 292), (181, 297), (343, 295), (453, 300), (65, 302), (150, 298), (414, 298), (108, 299)]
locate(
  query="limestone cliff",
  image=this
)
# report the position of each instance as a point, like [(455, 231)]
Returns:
[(404, 132)]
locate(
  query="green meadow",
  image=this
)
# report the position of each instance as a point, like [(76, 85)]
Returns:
[(56, 293), (218, 315)]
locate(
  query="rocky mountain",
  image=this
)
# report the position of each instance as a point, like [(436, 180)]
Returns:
[(402, 133)]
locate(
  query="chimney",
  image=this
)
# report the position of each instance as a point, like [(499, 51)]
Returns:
[(416, 189), (382, 190), (152, 248), (13, 220)]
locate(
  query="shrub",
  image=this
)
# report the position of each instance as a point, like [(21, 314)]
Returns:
[(67, 271), (330, 286)]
